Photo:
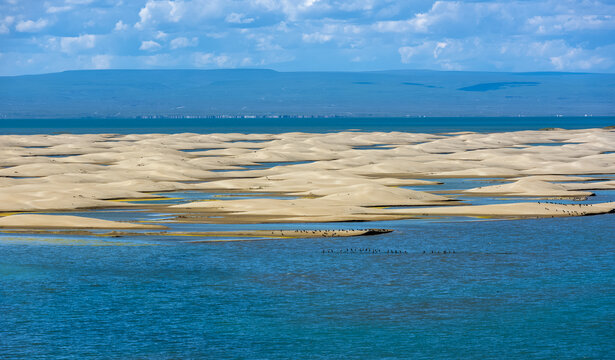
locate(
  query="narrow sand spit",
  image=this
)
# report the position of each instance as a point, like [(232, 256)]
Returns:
[(342, 176), (212, 236), (67, 221), (531, 187)]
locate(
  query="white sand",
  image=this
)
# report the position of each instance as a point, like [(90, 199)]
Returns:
[(340, 182), (67, 221)]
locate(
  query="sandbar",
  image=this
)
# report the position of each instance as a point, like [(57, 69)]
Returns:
[(323, 177)]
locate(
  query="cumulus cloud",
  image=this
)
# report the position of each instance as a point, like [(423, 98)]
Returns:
[(31, 26), (155, 12), (182, 42), (120, 26), (149, 45), (72, 44), (566, 35)]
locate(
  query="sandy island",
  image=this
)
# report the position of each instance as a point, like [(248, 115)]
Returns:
[(330, 177)]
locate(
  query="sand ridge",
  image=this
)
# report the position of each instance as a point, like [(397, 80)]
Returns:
[(340, 176), (67, 221)]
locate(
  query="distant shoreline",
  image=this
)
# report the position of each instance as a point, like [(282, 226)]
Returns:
[(265, 93), (306, 116)]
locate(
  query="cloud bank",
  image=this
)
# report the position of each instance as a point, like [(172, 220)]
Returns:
[(306, 35)]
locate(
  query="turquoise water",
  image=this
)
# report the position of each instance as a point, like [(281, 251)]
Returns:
[(542, 288)]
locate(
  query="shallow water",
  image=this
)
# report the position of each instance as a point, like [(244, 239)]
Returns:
[(527, 288)]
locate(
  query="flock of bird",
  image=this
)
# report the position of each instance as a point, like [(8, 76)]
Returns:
[(379, 251)]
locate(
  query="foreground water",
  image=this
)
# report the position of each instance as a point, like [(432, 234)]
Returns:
[(527, 288), (542, 288)]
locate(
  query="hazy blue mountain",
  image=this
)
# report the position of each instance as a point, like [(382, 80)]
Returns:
[(169, 93)]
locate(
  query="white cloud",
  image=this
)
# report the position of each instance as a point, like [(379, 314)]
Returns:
[(58, 9), (209, 59), (237, 18), (421, 22), (263, 42), (458, 18), (74, 44), (438, 49), (517, 35), (316, 37), (149, 45), (247, 61), (182, 42), (560, 56), (101, 61), (160, 11), (407, 52), (187, 12), (5, 23), (445, 53), (120, 26), (578, 59), (295, 9), (563, 23), (31, 26)]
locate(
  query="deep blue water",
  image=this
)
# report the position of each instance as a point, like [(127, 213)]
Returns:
[(542, 288)]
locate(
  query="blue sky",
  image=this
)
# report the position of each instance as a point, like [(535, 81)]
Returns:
[(307, 35)]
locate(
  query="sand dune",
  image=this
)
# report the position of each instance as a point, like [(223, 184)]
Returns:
[(341, 181), (525, 209), (66, 221), (530, 187)]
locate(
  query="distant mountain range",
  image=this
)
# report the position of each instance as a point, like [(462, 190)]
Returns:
[(261, 93)]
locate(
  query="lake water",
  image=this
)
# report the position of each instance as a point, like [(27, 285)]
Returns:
[(267, 125), (542, 288)]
